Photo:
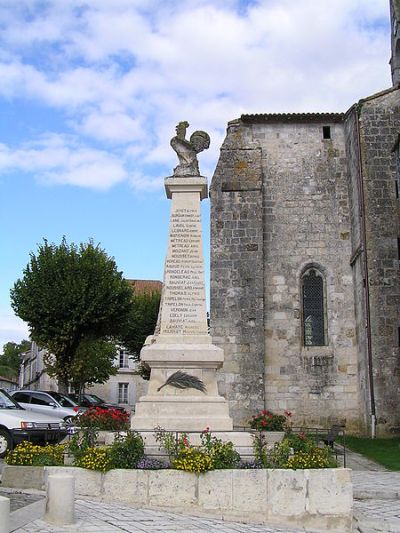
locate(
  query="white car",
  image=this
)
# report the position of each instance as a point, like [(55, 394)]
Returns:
[(17, 424)]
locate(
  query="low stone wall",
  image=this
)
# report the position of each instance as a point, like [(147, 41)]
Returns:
[(318, 500)]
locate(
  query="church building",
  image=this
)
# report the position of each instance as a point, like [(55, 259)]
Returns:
[(305, 255)]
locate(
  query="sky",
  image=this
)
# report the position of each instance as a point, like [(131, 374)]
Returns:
[(91, 91)]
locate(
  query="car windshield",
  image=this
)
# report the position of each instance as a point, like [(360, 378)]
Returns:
[(94, 398), (6, 402), (64, 401)]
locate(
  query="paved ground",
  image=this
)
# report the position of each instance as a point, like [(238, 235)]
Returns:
[(93, 516), (376, 509)]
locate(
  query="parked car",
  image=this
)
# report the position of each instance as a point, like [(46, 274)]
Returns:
[(91, 400), (53, 403), (18, 424)]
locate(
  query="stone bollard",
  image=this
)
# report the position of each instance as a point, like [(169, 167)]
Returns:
[(4, 515), (60, 501)]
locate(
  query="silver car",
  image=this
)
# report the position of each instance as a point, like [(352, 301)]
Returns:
[(48, 402)]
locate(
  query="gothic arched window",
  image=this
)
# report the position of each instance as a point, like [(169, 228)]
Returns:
[(313, 308)]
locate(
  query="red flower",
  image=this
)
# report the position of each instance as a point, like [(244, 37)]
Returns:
[(287, 413)]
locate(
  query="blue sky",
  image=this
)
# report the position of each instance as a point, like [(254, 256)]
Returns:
[(91, 91)]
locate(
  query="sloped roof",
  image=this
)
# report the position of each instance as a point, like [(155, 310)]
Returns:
[(293, 117), (141, 286)]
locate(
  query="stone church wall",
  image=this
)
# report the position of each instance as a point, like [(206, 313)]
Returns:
[(379, 118), (303, 211), (357, 260), (237, 274)]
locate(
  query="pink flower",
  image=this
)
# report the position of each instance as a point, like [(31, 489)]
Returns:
[(287, 413)]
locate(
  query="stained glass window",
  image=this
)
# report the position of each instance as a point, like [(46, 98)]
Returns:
[(313, 309)]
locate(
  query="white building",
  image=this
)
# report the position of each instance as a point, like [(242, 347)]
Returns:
[(122, 388), (8, 384)]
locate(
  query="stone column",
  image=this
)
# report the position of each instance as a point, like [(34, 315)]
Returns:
[(60, 499), (181, 341), (4, 515)]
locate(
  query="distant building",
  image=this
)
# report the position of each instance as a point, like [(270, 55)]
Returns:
[(8, 384)]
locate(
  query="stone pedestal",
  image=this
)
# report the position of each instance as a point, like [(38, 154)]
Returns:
[(181, 340)]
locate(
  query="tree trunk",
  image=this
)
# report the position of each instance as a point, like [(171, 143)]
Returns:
[(63, 386)]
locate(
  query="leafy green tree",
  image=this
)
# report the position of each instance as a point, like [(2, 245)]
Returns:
[(142, 321), (94, 362), (11, 356), (69, 294)]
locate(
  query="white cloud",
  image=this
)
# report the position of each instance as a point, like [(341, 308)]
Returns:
[(113, 127), (123, 73), (56, 159)]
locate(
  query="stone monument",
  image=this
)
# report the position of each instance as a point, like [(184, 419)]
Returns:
[(182, 393)]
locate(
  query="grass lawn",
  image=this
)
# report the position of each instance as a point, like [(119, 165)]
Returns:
[(383, 451)]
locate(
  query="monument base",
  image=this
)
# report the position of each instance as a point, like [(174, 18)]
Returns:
[(182, 409), (188, 413)]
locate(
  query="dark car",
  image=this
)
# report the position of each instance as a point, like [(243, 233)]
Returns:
[(18, 424), (91, 400)]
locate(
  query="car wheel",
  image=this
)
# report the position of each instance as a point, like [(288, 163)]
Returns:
[(69, 424), (5, 442)]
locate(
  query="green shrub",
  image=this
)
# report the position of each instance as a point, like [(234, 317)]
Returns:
[(300, 442), (171, 442), (316, 458), (127, 451), (223, 454), (294, 451), (80, 442)]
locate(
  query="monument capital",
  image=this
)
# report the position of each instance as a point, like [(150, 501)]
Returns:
[(187, 150), (195, 184)]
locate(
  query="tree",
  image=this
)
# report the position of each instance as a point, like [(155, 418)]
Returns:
[(94, 362), (142, 321), (69, 294), (11, 356)]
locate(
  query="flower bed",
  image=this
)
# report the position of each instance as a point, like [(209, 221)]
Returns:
[(208, 477), (295, 451), (104, 419)]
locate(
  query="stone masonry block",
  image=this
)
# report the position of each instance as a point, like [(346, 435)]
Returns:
[(329, 491), (287, 490), (215, 490), (172, 487), (250, 490), (127, 485)]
